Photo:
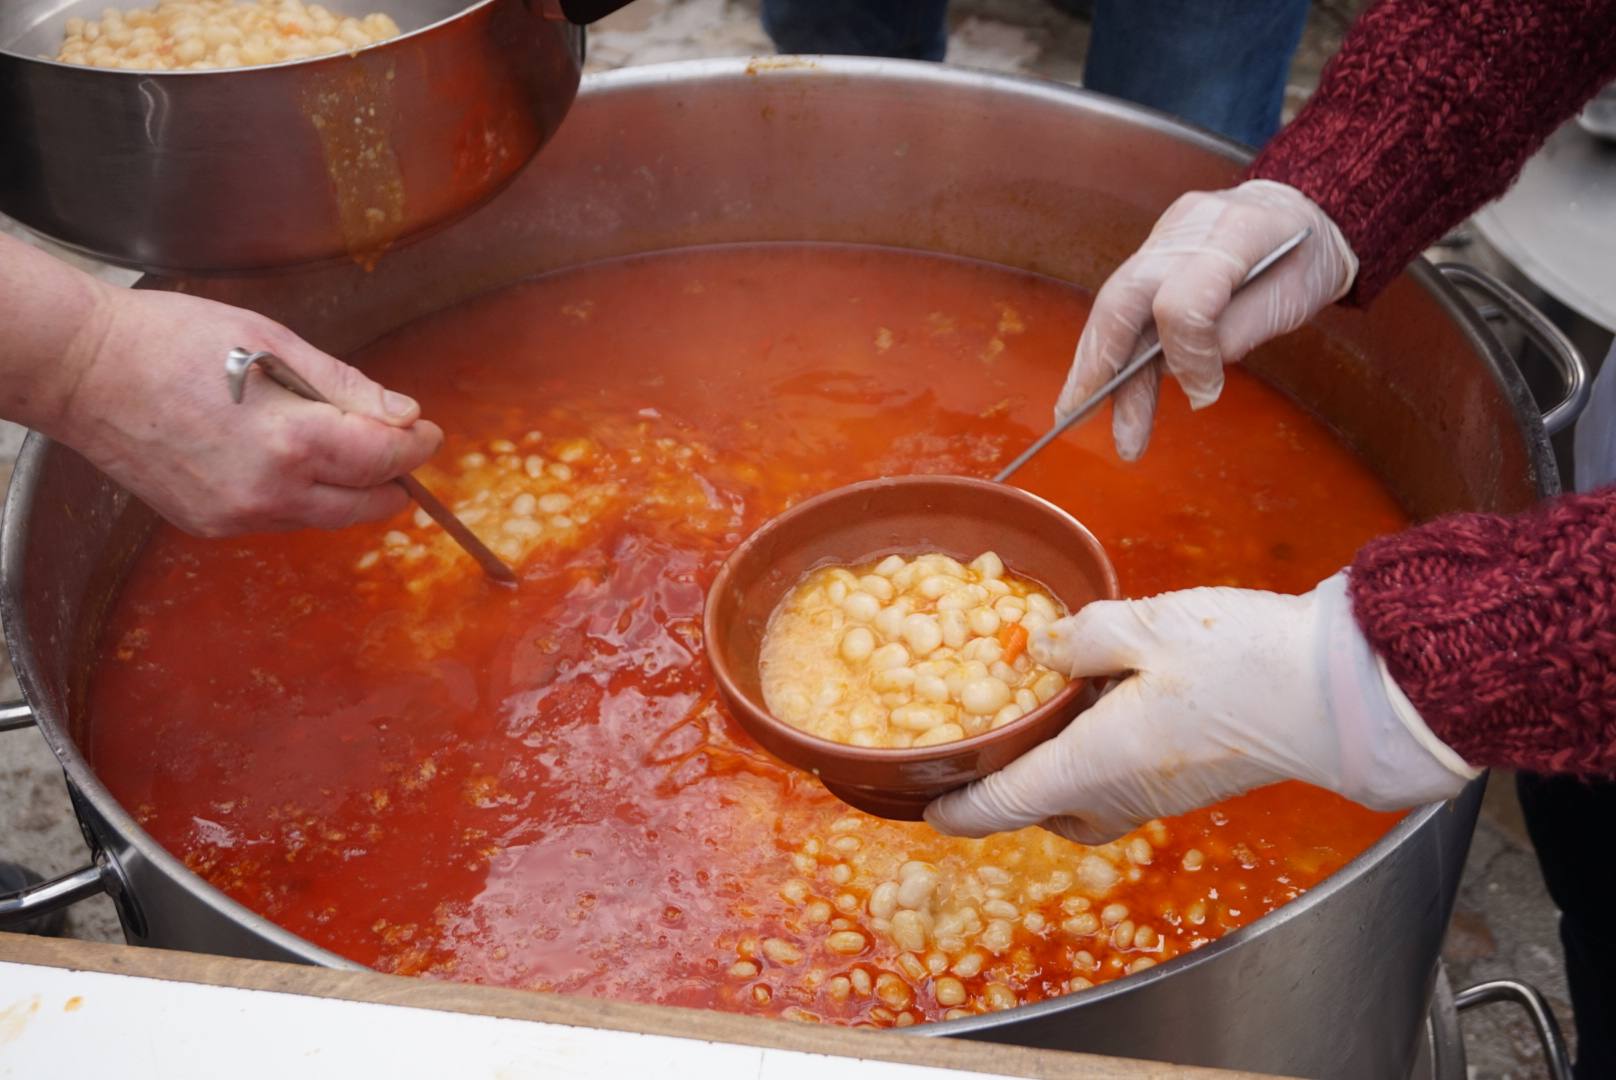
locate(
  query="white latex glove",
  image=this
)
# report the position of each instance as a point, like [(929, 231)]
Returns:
[(1183, 277), (1231, 690)]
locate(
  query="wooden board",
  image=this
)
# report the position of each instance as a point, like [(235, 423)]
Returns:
[(375, 988)]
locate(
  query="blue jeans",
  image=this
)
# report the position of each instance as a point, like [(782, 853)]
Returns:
[(1220, 64)]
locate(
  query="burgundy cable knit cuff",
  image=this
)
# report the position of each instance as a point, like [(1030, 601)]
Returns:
[(1429, 110), (1502, 631)]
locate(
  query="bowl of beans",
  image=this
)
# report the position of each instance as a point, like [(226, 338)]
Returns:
[(878, 635), (202, 137)]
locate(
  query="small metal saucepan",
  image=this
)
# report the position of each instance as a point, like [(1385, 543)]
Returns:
[(210, 172)]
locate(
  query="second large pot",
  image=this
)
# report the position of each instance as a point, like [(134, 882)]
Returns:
[(1021, 173)]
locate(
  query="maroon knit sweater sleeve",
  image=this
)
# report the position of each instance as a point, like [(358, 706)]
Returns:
[(1430, 109), (1502, 631)]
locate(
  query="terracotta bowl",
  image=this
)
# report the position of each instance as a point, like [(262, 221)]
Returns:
[(862, 522)]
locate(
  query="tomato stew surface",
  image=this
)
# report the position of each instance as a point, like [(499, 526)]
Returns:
[(359, 737)]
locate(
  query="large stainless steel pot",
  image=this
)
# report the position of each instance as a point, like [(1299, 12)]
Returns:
[(248, 169), (1017, 172)]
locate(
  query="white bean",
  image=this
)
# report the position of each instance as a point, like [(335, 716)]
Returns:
[(860, 606), (984, 696), (877, 586), (890, 655), (984, 622), (922, 633), (893, 679), (889, 622), (988, 565), (884, 900), (915, 717), (942, 733), (1007, 715), (857, 644), (889, 565), (1048, 685), (1009, 608)]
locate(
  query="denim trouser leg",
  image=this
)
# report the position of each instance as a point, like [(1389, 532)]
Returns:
[(912, 29), (1221, 64)]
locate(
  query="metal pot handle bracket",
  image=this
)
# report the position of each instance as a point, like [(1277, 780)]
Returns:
[(1528, 998), (1565, 357), (100, 875)]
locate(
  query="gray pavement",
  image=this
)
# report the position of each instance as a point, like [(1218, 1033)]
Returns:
[(1504, 924)]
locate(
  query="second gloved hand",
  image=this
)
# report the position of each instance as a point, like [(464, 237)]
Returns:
[(1231, 689), (1183, 277)]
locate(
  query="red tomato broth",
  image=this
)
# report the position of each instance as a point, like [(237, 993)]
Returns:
[(537, 787)]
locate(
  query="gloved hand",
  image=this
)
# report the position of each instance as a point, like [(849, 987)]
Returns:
[(1231, 689), (1183, 277), (150, 406)]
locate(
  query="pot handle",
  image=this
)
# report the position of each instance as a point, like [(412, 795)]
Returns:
[(46, 897), (581, 12), (15, 715), (1550, 338), (1528, 997)]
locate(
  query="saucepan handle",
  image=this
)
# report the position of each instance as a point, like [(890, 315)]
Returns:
[(1528, 998), (15, 715), (48, 896), (1565, 356), (582, 12)]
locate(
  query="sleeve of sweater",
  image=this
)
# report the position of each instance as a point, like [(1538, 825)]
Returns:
[(1502, 631), (1430, 109)]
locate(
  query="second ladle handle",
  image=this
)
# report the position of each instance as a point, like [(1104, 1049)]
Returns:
[(241, 361), (1137, 364)]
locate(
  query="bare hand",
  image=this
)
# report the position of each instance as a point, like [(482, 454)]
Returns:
[(149, 404)]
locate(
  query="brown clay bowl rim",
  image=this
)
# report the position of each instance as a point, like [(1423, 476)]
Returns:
[(822, 747)]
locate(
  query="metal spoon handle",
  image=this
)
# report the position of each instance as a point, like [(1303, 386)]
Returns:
[(240, 361), (1137, 364)]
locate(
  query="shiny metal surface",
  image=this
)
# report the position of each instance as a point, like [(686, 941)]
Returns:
[(1557, 224), (240, 361), (1441, 1053), (37, 900), (922, 156), (1555, 1055), (16, 715), (1568, 361), (1135, 366), (326, 158)]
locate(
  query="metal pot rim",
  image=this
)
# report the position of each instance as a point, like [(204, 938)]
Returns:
[(14, 521), (325, 58)]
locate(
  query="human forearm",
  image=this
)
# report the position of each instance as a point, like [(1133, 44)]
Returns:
[(1502, 631), (134, 380), (1430, 109), (53, 317)]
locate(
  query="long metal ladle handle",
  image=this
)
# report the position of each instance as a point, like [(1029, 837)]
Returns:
[(240, 361), (1137, 364)]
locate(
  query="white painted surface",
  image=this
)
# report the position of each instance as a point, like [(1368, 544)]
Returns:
[(76, 1025)]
